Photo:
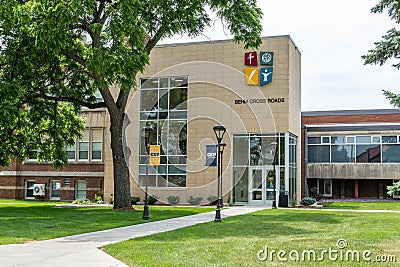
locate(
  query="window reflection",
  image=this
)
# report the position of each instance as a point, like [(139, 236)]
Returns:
[(163, 106)]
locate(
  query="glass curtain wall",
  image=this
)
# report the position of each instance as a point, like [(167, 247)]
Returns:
[(258, 150), (163, 106)]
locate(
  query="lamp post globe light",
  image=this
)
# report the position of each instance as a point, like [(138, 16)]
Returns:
[(274, 152), (219, 131), (147, 130)]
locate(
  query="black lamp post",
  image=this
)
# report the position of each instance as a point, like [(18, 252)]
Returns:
[(274, 152), (147, 132), (219, 131)]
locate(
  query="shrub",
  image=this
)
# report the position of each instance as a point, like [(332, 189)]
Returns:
[(135, 200), (98, 199), (173, 200), (194, 200), (393, 189), (212, 200), (151, 200), (307, 201)]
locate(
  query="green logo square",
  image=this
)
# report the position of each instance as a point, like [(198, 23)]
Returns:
[(267, 58)]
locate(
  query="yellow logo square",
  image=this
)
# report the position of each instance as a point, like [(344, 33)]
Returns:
[(252, 75)]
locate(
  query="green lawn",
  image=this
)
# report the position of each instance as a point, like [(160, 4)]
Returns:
[(393, 205), (238, 240), (22, 221)]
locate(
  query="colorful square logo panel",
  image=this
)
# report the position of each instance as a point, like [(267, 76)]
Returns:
[(255, 75), (251, 75), (250, 58), (265, 75), (267, 58)]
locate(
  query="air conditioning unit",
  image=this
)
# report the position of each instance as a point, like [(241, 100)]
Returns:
[(39, 190)]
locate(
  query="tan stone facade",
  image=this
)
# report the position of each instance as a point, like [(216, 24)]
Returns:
[(218, 94)]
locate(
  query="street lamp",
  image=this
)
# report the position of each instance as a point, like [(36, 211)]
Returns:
[(219, 131), (147, 132), (274, 152)]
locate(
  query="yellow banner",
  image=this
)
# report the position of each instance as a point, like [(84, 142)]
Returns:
[(251, 75), (155, 155)]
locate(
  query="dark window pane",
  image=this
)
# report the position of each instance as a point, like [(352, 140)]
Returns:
[(178, 98), (342, 153), (314, 140), (391, 153), (149, 83), (149, 100), (368, 153), (177, 180), (179, 81), (389, 139), (318, 154), (240, 148)]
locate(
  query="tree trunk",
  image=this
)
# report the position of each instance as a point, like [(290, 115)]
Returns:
[(120, 155)]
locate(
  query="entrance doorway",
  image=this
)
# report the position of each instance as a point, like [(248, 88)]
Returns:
[(261, 185)]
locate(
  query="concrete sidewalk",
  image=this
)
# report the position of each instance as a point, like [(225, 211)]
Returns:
[(82, 250)]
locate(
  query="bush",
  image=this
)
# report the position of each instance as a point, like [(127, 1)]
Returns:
[(212, 200), (151, 200), (307, 201), (135, 200), (194, 200), (98, 199), (393, 189), (173, 200)]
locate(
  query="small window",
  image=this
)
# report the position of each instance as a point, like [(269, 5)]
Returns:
[(314, 140), (326, 139), (84, 146), (71, 152), (363, 139), (29, 189), (376, 139), (389, 139), (67, 182), (350, 139), (55, 188), (97, 144), (80, 190)]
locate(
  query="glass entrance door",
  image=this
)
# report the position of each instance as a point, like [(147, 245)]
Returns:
[(261, 185)]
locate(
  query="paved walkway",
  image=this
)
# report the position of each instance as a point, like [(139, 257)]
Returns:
[(82, 250)]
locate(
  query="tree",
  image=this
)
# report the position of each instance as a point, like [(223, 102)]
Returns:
[(47, 71), (389, 47)]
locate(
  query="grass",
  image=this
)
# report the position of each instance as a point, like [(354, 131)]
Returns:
[(394, 205), (22, 221), (238, 240)]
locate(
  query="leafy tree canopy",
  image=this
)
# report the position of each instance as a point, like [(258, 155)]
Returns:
[(55, 55), (389, 47)]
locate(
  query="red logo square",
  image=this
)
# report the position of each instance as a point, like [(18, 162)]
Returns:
[(250, 58)]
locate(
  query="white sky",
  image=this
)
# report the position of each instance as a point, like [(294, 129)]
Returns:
[(332, 36)]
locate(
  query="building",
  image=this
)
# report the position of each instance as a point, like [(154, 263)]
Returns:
[(351, 153), (81, 178), (273, 151)]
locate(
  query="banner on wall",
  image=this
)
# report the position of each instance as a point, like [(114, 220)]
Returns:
[(211, 155), (155, 155)]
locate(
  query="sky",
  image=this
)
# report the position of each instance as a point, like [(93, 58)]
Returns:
[(332, 36)]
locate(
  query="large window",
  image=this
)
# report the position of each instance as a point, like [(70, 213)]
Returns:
[(354, 149), (163, 106)]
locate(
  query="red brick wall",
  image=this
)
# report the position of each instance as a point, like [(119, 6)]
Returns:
[(351, 118)]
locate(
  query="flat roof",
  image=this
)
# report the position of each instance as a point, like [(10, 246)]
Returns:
[(224, 41), (350, 112)]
